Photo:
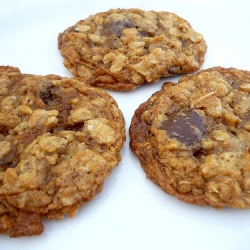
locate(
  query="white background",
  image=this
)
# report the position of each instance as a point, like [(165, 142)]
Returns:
[(131, 212)]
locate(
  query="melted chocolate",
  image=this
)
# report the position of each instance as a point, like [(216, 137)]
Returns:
[(10, 160), (3, 130), (46, 96), (75, 127), (185, 126), (118, 27)]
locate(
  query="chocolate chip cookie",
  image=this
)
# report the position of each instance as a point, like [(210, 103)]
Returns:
[(59, 141), (193, 138), (123, 48)]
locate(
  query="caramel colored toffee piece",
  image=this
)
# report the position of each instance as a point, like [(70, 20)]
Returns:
[(122, 49), (193, 138), (59, 141)]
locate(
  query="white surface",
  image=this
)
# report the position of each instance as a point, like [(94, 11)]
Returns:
[(131, 212)]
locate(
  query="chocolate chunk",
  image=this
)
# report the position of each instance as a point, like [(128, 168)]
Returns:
[(185, 126)]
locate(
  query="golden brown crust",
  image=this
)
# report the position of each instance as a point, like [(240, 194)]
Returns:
[(192, 139), (59, 141), (123, 48)]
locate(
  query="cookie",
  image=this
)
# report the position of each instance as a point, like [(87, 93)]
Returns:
[(122, 49), (193, 138), (59, 141)]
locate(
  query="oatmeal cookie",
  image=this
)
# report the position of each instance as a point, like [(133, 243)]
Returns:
[(59, 141), (193, 138), (123, 48)]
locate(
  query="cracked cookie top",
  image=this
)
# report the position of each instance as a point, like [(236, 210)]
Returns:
[(193, 138), (59, 141), (123, 48)]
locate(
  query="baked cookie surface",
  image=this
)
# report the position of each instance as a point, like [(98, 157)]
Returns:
[(123, 48), (59, 141), (193, 138)]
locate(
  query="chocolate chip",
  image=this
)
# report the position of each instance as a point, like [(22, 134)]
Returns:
[(185, 126)]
